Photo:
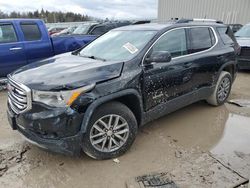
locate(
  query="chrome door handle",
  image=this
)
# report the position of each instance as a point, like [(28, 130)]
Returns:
[(16, 48)]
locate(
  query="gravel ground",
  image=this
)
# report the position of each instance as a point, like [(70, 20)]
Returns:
[(198, 146)]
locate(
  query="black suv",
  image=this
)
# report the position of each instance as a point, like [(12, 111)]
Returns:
[(96, 98)]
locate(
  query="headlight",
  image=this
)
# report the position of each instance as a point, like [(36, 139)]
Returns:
[(61, 98)]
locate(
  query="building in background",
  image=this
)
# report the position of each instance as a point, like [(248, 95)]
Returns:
[(228, 11)]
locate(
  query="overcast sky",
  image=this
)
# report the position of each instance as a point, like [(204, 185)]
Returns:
[(121, 9)]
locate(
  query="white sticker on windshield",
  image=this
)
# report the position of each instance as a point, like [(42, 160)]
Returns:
[(130, 47)]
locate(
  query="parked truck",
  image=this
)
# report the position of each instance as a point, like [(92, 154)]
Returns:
[(23, 41)]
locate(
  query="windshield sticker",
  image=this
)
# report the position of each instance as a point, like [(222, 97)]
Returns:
[(131, 48)]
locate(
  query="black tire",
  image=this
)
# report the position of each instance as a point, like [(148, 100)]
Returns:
[(111, 108), (214, 99)]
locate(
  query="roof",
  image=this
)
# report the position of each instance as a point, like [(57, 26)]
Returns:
[(150, 26), (158, 27), (19, 19)]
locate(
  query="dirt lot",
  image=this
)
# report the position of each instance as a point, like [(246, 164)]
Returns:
[(198, 146)]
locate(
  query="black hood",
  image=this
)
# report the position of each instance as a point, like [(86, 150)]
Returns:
[(67, 71)]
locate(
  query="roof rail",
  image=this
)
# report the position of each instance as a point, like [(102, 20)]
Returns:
[(184, 20)]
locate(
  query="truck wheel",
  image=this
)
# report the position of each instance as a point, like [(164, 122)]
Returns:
[(110, 132), (222, 89)]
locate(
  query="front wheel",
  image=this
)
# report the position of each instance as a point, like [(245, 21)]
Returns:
[(222, 89), (111, 131)]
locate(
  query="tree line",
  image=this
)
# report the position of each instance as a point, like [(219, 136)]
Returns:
[(47, 16)]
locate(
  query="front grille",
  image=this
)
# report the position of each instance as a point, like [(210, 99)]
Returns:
[(19, 96)]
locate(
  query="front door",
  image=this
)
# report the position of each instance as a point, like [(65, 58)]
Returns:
[(167, 81), (12, 54)]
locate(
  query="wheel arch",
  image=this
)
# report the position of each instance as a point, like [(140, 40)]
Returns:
[(129, 97), (228, 67)]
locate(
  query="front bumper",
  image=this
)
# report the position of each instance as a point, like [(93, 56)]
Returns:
[(68, 146), (54, 130)]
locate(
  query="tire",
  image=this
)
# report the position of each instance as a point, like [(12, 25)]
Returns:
[(222, 90), (121, 116)]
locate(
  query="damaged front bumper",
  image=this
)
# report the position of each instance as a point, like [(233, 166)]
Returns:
[(57, 130)]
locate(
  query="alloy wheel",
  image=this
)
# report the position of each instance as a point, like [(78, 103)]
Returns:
[(224, 89), (109, 133)]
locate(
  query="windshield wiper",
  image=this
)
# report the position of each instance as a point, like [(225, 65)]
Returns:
[(92, 57)]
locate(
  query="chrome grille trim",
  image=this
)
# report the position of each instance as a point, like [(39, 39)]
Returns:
[(19, 96)]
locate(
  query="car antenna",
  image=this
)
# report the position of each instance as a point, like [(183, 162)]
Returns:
[(205, 18)]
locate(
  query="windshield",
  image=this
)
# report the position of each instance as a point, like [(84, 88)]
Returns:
[(82, 29), (244, 32), (118, 45)]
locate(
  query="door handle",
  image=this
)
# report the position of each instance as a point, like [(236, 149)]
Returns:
[(16, 48)]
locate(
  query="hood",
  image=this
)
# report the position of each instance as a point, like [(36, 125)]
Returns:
[(65, 72), (243, 42)]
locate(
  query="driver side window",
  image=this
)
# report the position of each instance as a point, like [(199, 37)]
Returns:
[(174, 42)]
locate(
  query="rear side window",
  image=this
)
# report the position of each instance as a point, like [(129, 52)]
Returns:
[(201, 38), (7, 33), (226, 35), (31, 31)]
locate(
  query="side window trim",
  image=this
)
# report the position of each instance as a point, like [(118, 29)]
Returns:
[(188, 40)]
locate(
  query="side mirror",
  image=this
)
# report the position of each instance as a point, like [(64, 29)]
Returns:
[(159, 57)]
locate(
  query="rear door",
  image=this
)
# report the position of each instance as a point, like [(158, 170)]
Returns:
[(38, 44), (202, 41), (12, 54)]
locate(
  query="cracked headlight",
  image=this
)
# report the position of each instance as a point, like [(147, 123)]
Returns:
[(60, 98)]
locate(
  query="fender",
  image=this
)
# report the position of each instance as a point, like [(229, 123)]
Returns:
[(235, 65), (105, 99)]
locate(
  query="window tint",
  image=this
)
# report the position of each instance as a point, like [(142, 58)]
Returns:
[(226, 35), (173, 42), (201, 39), (31, 31), (99, 30), (7, 33)]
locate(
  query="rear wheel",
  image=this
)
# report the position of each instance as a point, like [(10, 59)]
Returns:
[(111, 131), (222, 89)]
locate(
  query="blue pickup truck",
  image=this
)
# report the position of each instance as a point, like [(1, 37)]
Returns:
[(23, 41)]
